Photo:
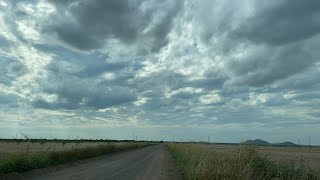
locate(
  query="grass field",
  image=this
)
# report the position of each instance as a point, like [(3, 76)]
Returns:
[(11, 148), (299, 155), (26, 156), (197, 161)]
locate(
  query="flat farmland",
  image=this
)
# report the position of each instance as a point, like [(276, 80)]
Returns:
[(9, 148), (188, 161), (212, 161), (310, 156), (299, 155)]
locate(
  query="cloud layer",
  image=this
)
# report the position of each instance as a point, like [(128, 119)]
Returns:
[(183, 68)]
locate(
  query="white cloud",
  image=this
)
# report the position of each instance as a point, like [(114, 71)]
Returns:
[(212, 98), (141, 101)]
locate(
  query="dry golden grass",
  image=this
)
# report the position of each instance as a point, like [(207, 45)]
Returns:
[(9, 148), (18, 147), (299, 155), (197, 161)]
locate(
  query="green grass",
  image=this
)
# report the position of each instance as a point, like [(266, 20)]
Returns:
[(27, 162), (197, 162)]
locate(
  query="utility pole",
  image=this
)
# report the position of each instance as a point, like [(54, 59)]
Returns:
[(309, 140), (133, 136), (208, 139)]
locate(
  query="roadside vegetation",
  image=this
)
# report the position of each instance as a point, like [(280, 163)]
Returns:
[(197, 162), (23, 162)]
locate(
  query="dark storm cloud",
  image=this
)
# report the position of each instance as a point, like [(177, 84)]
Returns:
[(94, 69), (275, 41), (81, 65), (281, 22), (271, 64), (78, 81), (75, 93), (307, 81), (278, 41), (87, 25)]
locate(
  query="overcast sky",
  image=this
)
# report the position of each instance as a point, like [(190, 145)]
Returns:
[(165, 70)]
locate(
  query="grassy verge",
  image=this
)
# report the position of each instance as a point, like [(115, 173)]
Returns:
[(197, 162), (26, 162)]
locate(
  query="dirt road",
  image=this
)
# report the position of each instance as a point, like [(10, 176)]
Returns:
[(148, 163)]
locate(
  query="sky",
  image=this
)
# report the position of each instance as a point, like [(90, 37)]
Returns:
[(163, 70)]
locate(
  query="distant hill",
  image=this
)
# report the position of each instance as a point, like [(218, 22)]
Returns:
[(286, 144), (257, 142)]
